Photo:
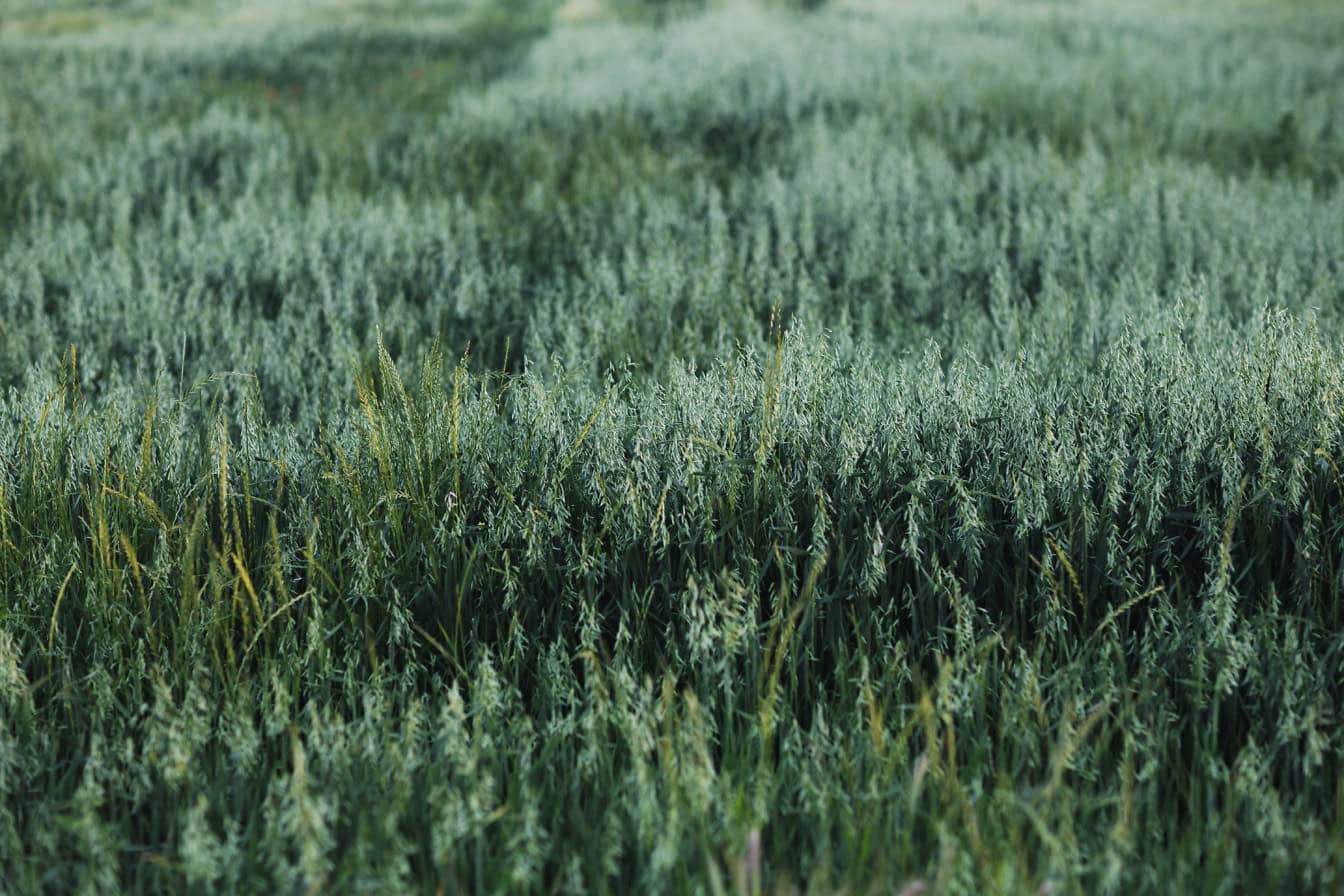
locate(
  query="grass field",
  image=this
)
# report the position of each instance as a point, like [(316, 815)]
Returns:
[(462, 447)]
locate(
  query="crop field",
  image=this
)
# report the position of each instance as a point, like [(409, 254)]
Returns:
[(725, 448)]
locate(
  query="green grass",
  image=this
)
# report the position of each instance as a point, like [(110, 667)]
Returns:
[(442, 451)]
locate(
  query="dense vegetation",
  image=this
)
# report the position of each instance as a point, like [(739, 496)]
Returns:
[(456, 449)]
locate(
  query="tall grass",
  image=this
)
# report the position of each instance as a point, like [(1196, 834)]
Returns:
[(849, 451)]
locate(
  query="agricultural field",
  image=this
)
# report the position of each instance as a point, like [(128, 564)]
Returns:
[(728, 448)]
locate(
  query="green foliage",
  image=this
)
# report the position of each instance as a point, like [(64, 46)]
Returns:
[(441, 455)]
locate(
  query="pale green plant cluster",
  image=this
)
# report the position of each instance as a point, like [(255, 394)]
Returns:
[(461, 456)]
